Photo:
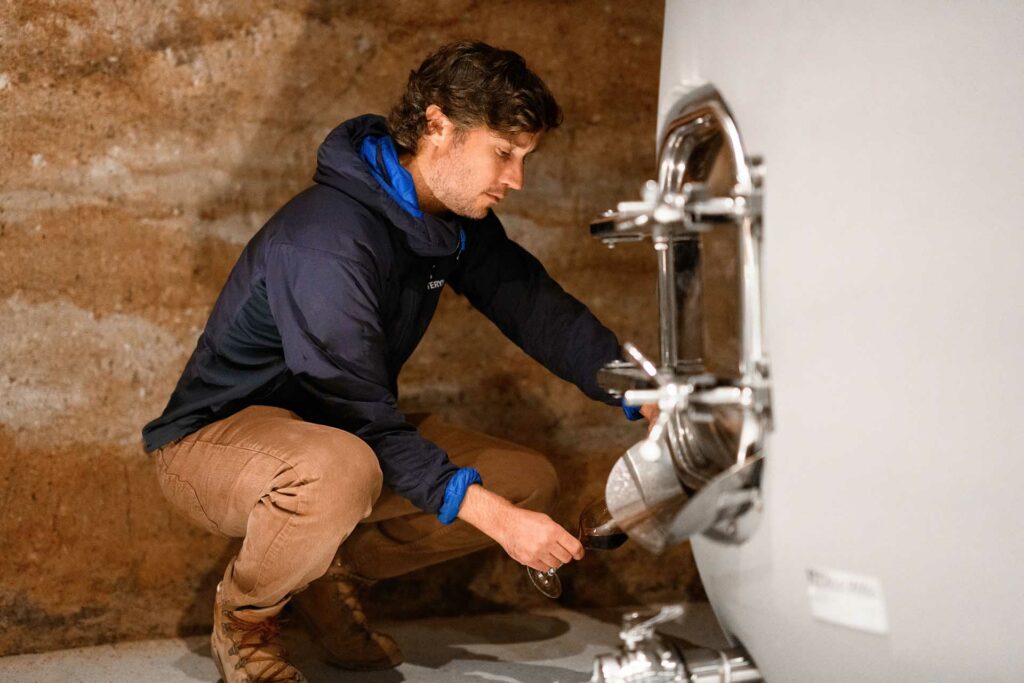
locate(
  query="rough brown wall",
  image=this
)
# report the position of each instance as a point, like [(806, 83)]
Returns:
[(142, 144)]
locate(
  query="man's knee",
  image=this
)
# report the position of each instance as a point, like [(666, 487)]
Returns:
[(341, 473), (527, 479)]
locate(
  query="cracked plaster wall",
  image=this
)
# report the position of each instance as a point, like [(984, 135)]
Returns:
[(142, 144)]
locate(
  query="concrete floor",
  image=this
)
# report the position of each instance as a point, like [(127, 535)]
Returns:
[(545, 646)]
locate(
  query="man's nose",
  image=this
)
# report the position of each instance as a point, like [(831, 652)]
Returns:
[(512, 177)]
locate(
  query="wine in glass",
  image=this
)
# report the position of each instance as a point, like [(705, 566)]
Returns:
[(598, 531)]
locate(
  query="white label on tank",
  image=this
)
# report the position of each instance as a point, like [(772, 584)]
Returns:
[(850, 600)]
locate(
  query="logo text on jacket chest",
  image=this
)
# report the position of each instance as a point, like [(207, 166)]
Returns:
[(435, 284)]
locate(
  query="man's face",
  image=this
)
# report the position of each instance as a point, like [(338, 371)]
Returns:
[(477, 168)]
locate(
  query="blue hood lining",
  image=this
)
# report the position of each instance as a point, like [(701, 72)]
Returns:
[(380, 155), (341, 164)]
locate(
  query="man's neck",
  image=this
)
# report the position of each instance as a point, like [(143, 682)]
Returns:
[(427, 201)]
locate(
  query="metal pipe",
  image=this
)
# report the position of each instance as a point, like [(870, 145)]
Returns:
[(719, 666), (667, 301), (751, 305)]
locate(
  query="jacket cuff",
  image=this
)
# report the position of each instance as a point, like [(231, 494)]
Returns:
[(455, 492), (632, 412)]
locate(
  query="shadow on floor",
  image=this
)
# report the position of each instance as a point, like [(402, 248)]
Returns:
[(552, 645), (509, 648), (506, 647)]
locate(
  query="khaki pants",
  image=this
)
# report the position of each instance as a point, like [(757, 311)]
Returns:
[(296, 491)]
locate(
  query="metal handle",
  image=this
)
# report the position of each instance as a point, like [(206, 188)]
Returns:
[(633, 633), (669, 397)]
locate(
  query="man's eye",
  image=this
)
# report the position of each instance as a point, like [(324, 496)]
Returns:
[(504, 153)]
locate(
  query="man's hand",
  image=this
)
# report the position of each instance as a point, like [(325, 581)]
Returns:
[(536, 540), (651, 412), (530, 538)]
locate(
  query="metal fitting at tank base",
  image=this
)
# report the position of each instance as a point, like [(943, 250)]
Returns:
[(719, 666), (655, 662), (648, 662), (647, 658)]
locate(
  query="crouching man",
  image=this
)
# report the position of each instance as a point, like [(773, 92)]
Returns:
[(283, 429)]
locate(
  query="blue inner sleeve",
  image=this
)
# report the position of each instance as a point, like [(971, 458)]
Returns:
[(455, 492), (632, 412)]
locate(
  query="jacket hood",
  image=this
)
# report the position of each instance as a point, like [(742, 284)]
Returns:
[(339, 165)]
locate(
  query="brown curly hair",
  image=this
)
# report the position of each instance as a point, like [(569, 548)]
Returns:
[(474, 84)]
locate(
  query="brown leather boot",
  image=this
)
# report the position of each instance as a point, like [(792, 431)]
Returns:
[(331, 610), (246, 646)]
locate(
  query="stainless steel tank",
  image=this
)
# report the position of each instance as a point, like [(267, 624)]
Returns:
[(851, 500)]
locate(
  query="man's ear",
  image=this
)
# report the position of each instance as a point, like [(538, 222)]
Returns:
[(439, 127)]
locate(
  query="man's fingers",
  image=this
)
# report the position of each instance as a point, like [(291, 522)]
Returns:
[(561, 554), (545, 563), (539, 566), (572, 546), (555, 562), (650, 411)]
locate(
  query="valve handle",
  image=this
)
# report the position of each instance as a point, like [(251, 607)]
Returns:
[(632, 634), (669, 396), (641, 361)]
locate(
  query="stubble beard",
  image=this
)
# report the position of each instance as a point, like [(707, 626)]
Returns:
[(449, 180)]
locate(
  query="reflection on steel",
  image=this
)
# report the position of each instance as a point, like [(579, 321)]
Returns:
[(652, 507), (728, 509), (644, 496), (700, 467), (647, 657)]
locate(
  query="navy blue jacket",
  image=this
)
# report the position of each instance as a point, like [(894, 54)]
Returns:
[(330, 298)]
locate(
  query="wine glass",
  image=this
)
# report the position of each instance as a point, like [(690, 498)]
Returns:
[(597, 531)]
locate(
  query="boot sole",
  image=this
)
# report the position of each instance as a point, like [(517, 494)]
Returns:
[(216, 660)]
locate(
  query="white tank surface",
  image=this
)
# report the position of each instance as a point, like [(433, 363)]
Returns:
[(891, 545)]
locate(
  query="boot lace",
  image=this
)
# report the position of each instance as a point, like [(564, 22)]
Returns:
[(259, 644), (348, 586)]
